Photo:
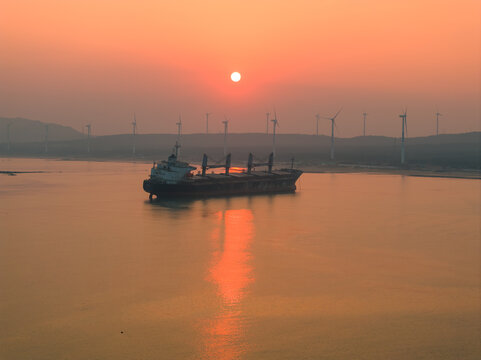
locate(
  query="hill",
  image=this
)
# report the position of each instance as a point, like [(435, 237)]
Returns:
[(460, 151), (25, 130)]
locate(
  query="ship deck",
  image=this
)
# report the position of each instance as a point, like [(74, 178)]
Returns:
[(254, 175)]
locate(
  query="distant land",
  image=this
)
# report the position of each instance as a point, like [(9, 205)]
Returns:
[(446, 151), (25, 130)]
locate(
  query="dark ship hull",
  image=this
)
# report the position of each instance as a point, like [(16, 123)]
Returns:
[(257, 182)]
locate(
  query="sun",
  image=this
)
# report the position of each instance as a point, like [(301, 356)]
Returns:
[(235, 76)]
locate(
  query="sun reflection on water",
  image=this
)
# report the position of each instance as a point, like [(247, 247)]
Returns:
[(231, 272)]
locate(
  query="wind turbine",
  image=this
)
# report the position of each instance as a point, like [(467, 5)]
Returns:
[(88, 126), (275, 124), (267, 123), (317, 124), (8, 137), (333, 123), (226, 123), (403, 116), (364, 124), (179, 128), (46, 138), (207, 123), (134, 129), (437, 122)]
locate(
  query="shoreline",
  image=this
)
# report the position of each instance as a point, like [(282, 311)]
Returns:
[(447, 174), (435, 172)]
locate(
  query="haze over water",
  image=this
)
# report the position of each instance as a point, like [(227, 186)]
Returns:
[(351, 266), (82, 62)]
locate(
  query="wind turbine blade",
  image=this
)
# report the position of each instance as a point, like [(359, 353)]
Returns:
[(337, 113), (276, 122)]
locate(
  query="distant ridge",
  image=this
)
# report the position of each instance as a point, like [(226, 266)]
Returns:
[(25, 130), (446, 150), (291, 140)]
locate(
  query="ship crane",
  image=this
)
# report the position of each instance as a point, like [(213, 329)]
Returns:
[(206, 166), (251, 164)]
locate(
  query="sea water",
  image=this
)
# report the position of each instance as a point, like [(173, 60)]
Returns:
[(352, 266)]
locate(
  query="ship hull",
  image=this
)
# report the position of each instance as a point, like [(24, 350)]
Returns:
[(283, 181)]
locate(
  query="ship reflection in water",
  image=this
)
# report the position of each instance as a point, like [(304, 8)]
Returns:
[(232, 273)]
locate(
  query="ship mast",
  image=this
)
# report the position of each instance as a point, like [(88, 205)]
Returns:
[(176, 147)]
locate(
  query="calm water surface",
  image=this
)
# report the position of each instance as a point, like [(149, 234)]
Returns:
[(352, 266)]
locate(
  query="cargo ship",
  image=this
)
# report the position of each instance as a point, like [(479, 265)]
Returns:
[(172, 178)]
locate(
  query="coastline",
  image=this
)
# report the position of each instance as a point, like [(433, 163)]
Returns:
[(391, 170), (437, 172)]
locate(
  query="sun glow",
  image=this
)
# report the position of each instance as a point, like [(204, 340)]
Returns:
[(235, 76)]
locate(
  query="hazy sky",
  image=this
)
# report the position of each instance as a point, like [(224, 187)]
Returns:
[(79, 61)]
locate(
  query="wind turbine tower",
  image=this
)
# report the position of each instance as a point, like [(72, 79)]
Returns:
[(179, 128), (134, 131), (403, 117), (333, 124), (275, 124), (226, 123), (8, 138), (88, 126), (364, 124), (437, 122), (267, 123), (317, 124), (46, 138), (207, 123)]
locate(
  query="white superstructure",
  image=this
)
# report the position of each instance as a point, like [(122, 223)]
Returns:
[(171, 171)]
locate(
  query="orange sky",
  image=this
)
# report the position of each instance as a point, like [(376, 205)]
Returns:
[(74, 62)]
